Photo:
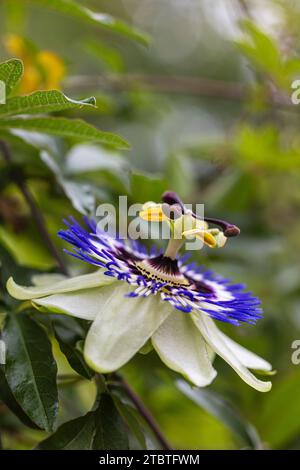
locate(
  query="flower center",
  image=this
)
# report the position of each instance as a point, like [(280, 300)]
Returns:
[(163, 269)]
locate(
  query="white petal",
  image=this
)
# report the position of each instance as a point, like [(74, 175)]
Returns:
[(85, 281), (213, 337), (81, 304), (246, 357), (122, 327), (47, 279), (182, 348)]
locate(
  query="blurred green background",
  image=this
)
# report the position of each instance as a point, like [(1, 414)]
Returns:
[(207, 110)]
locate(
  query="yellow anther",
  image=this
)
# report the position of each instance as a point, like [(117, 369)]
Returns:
[(204, 235), (220, 239), (152, 212)]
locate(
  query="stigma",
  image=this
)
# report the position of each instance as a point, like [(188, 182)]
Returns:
[(184, 224)]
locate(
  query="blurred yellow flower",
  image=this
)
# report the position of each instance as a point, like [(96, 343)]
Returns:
[(43, 69), (15, 45), (54, 68)]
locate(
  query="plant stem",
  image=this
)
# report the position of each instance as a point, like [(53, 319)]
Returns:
[(162, 83), (198, 86), (143, 412), (34, 209)]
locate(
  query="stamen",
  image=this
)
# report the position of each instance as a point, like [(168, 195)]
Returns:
[(152, 213), (229, 230)]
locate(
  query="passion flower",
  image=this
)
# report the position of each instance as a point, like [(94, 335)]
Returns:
[(136, 298)]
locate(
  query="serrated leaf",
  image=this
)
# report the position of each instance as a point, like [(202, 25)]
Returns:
[(72, 8), (11, 73), (42, 102), (30, 369), (77, 434), (63, 127), (221, 409)]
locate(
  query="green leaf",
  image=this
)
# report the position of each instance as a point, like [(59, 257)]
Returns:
[(7, 397), (102, 429), (111, 433), (68, 333), (261, 147), (263, 51), (30, 369), (72, 8), (77, 434), (63, 127), (215, 405), (15, 17), (11, 72), (224, 189), (108, 56), (9, 267), (283, 409), (24, 246), (42, 102), (80, 194), (102, 168), (128, 414), (180, 173), (147, 187)]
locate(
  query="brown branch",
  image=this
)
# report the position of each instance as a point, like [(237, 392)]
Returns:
[(34, 209), (143, 412), (161, 83), (218, 89)]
